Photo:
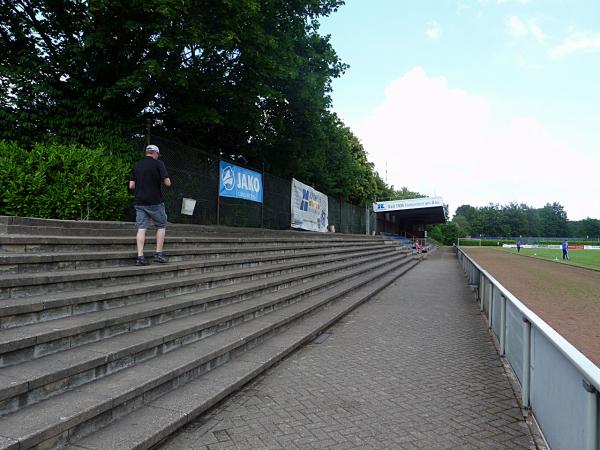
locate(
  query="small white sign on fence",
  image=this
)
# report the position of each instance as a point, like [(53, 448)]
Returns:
[(187, 206)]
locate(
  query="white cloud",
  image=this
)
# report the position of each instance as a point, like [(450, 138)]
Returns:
[(443, 141), (518, 28), (577, 42), (536, 31), (522, 2), (525, 64), (433, 31)]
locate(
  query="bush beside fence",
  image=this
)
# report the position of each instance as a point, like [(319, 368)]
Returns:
[(62, 182)]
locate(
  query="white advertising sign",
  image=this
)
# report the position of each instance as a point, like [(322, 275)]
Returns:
[(309, 208), (187, 206), (411, 203)]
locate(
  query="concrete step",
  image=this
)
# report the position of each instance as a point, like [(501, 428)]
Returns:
[(22, 311), (36, 226), (24, 285), (66, 243), (19, 344), (21, 263), (80, 412), (30, 382), (156, 420)]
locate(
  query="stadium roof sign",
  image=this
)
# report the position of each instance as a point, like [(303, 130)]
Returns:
[(414, 211), (411, 203)]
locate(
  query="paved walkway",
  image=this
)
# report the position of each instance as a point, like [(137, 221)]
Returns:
[(414, 368)]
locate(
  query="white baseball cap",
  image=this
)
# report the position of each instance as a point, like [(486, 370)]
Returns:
[(152, 148)]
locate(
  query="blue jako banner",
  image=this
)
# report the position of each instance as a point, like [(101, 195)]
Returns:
[(237, 182)]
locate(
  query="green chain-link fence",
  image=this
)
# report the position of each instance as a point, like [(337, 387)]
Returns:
[(195, 175)]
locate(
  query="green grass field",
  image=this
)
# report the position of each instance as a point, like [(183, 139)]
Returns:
[(582, 258)]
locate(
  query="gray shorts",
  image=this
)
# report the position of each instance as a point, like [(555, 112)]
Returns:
[(144, 214)]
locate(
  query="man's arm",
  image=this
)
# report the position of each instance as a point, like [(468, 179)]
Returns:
[(164, 175), (131, 185)]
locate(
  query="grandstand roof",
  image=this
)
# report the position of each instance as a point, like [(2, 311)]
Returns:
[(429, 210)]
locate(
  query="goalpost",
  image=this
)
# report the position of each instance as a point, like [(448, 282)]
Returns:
[(470, 240)]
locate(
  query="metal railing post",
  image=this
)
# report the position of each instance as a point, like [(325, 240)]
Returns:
[(502, 325), (526, 366), (219, 198), (481, 291), (591, 417), (490, 303)]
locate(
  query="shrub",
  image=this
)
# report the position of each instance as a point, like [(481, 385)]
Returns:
[(570, 242), (469, 242), (497, 242), (62, 182), (485, 243)]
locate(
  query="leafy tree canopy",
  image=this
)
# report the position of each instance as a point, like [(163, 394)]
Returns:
[(515, 220), (248, 79)]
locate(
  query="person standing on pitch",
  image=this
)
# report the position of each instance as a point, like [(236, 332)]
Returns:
[(565, 249), (519, 246), (147, 176)]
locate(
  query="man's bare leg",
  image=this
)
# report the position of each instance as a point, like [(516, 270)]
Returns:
[(160, 239), (140, 238)]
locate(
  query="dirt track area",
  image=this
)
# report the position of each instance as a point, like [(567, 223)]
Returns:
[(566, 297)]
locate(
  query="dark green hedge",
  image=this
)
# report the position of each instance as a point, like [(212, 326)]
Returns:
[(497, 243), (485, 243), (569, 241), (62, 182)]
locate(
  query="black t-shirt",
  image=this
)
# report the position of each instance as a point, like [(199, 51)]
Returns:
[(148, 174)]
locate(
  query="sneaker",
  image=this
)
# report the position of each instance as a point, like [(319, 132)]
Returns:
[(141, 261), (160, 258)]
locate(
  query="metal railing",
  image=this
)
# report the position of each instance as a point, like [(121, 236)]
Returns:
[(559, 385)]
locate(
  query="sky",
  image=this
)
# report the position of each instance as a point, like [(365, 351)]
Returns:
[(476, 101)]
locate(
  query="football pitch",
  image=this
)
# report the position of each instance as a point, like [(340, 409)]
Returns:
[(581, 258)]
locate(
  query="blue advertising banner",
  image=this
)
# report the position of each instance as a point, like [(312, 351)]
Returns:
[(237, 182)]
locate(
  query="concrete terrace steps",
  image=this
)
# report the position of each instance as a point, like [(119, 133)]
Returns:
[(90, 407), (154, 421), (22, 277), (22, 285), (41, 338), (87, 338), (58, 244), (81, 229), (49, 227), (38, 379), (14, 263), (30, 310)]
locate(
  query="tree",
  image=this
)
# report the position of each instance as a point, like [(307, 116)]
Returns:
[(462, 223), (227, 76), (553, 219), (390, 193), (446, 233), (83, 72), (514, 220), (467, 211), (249, 80), (588, 228)]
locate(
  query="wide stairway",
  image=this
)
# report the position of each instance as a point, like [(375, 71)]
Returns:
[(97, 353)]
